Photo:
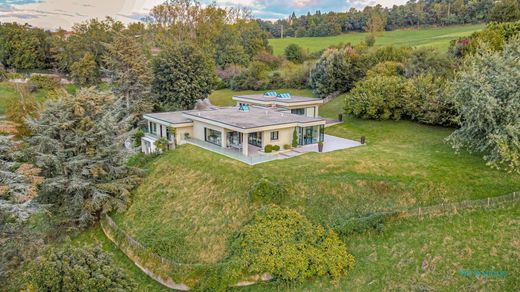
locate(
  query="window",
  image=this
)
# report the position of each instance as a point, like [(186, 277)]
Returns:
[(169, 134), (255, 139), (153, 128), (274, 136), (213, 136), (298, 111)]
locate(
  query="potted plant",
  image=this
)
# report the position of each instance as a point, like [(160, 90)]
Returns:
[(320, 146)]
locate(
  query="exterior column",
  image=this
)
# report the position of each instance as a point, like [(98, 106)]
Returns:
[(245, 144)]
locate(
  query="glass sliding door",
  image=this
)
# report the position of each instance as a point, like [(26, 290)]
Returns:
[(213, 136), (255, 139), (234, 139), (309, 135)]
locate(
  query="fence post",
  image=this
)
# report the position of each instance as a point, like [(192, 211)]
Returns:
[(419, 211), (488, 201)]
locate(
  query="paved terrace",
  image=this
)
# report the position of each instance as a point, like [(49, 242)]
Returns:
[(256, 117)]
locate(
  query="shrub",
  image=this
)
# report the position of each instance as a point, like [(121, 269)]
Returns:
[(137, 137), (380, 98), (360, 224), (370, 40), (286, 245), (268, 148), (296, 75), (269, 59), (39, 81), (295, 53), (286, 146), (77, 269), (267, 191), (276, 148), (294, 138), (3, 75), (162, 144)]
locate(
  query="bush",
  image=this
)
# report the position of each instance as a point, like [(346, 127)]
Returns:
[(370, 40), (46, 82), (276, 148), (3, 75), (267, 191), (380, 98), (294, 138), (286, 245), (77, 269), (295, 53), (361, 224), (137, 137), (296, 75), (286, 146), (268, 148), (269, 59), (162, 144)]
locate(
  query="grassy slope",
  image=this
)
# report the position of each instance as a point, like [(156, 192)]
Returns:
[(483, 240), (6, 91), (193, 200), (438, 38), (222, 97)]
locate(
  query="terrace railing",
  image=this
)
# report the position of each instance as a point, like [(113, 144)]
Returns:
[(232, 153)]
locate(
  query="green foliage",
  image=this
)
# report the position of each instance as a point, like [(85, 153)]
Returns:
[(20, 107), (295, 53), (361, 224), (370, 40), (286, 146), (294, 138), (77, 269), (336, 71), (268, 191), (78, 145), (130, 75), (139, 133), (182, 75), (379, 97), (286, 245), (276, 148), (426, 60), (489, 105), (23, 47), (430, 103), (255, 77), (505, 10), (162, 144), (387, 68), (494, 36), (46, 82), (268, 148), (85, 72)]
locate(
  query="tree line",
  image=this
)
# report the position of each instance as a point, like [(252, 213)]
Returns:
[(378, 18)]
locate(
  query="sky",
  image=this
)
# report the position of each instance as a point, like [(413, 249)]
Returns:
[(52, 14)]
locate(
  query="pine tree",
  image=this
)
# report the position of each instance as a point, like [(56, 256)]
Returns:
[(77, 143), (130, 75)]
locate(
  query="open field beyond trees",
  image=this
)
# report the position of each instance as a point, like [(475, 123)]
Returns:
[(436, 37)]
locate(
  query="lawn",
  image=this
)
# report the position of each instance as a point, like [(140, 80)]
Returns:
[(438, 38), (223, 97), (193, 200), (437, 254), (8, 90)]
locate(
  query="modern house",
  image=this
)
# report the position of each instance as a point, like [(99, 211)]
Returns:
[(244, 130)]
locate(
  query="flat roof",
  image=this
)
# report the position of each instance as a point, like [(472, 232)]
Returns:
[(169, 117), (293, 99), (256, 117)]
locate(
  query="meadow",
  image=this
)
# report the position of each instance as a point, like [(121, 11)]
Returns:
[(435, 37)]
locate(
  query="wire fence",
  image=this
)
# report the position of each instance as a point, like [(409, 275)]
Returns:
[(454, 208)]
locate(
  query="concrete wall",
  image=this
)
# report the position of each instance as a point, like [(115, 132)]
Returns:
[(182, 131), (198, 131), (284, 137)]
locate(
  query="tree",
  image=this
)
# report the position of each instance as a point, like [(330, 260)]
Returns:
[(85, 72), (182, 75), (286, 245), (295, 53), (427, 60), (130, 75), (505, 10), (486, 95), (77, 269), (23, 47), (77, 144), (336, 71), (19, 108), (379, 97)]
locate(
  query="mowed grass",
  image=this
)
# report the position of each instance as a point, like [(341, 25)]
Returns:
[(223, 97), (433, 254), (435, 37), (193, 200)]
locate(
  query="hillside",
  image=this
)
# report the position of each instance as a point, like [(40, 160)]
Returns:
[(438, 38)]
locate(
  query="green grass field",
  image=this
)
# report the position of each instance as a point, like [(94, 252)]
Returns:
[(438, 38)]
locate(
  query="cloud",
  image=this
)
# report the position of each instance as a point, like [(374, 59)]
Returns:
[(51, 14)]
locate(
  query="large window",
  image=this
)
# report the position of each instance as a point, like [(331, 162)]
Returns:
[(309, 135), (213, 136), (298, 111), (153, 128), (274, 135), (234, 138), (255, 139)]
